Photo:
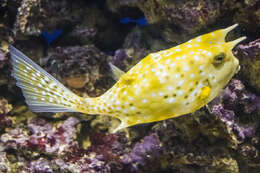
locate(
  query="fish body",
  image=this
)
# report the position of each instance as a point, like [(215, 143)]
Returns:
[(163, 85)]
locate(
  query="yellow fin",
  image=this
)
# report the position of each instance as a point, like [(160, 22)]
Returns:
[(117, 73), (43, 93)]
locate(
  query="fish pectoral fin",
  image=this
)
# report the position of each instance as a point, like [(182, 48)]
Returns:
[(122, 125), (117, 73)]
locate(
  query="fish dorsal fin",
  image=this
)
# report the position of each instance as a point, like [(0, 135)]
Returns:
[(117, 73)]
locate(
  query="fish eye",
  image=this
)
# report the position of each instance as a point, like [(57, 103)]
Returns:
[(218, 59)]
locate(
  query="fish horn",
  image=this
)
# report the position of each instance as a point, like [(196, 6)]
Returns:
[(228, 29), (233, 43)]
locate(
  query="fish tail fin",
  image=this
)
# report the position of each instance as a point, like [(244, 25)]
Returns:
[(43, 93)]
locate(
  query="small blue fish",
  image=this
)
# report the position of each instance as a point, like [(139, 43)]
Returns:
[(50, 37), (140, 21)]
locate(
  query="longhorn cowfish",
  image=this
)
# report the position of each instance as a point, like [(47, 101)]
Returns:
[(163, 85)]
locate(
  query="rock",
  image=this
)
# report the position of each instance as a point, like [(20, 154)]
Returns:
[(249, 57)]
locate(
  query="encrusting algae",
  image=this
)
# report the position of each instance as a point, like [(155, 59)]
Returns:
[(163, 85)]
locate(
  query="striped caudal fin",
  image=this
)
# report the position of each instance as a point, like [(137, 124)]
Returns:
[(43, 93)]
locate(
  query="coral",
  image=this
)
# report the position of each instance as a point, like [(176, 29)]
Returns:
[(5, 121), (79, 67), (42, 136), (249, 56), (143, 153), (191, 16), (34, 16), (40, 165), (5, 165), (187, 16)]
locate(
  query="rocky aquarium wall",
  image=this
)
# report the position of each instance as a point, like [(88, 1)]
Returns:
[(76, 40)]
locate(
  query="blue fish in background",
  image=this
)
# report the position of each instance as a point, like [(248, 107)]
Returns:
[(50, 37), (140, 21)]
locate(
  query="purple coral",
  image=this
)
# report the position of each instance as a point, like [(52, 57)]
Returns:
[(43, 136), (143, 152), (249, 56), (237, 102)]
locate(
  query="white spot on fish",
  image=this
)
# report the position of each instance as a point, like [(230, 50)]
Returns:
[(180, 92), (177, 50), (180, 82), (173, 65), (170, 88), (198, 39), (196, 58), (117, 102), (186, 68), (132, 108), (153, 94), (209, 53), (168, 61), (191, 75), (201, 67), (200, 85), (178, 58), (188, 46), (157, 73), (144, 100), (177, 75), (171, 100), (160, 93)]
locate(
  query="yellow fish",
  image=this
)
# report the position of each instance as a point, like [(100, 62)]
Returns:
[(163, 85)]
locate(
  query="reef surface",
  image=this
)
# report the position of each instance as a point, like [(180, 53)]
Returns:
[(75, 41)]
